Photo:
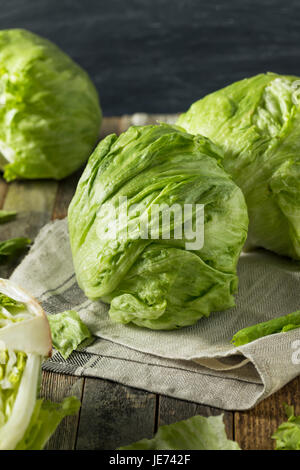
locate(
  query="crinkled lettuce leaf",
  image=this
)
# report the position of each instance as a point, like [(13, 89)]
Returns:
[(196, 433), (287, 435), (68, 331), (45, 419), (50, 114), (256, 121), (276, 325), (12, 248), (6, 216), (159, 282)]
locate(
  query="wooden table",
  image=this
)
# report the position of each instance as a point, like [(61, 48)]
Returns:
[(112, 414)]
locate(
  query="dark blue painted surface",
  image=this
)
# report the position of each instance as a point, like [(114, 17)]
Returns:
[(160, 55)]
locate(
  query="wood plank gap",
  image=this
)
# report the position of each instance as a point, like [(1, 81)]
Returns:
[(156, 418), (3, 191), (79, 415)]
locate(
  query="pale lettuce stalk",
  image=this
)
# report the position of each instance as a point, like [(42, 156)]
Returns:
[(13, 430), (25, 340)]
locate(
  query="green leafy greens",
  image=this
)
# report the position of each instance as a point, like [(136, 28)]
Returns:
[(196, 433), (50, 114), (68, 331), (276, 325), (6, 301), (25, 421), (257, 123), (287, 435), (6, 216), (44, 421), (12, 248), (157, 283)]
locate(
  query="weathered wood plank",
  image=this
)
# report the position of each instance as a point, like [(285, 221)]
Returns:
[(171, 410), (65, 193), (110, 125), (34, 202), (56, 387), (254, 428), (3, 190), (143, 119), (113, 415)]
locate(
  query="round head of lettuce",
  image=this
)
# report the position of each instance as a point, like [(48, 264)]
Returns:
[(148, 271), (49, 115), (257, 123)]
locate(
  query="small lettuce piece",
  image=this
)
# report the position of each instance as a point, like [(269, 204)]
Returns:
[(277, 325), (196, 433), (45, 419), (287, 435), (68, 331), (6, 216), (12, 247)]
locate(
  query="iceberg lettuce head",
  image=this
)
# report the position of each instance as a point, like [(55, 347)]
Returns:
[(257, 123), (157, 280), (49, 109)]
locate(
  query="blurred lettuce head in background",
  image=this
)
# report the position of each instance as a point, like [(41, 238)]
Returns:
[(49, 109), (157, 283), (257, 123)]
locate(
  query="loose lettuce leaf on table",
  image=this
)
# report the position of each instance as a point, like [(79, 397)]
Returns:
[(196, 433), (276, 325), (68, 331), (6, 216), (44, 421), (12, 247), (287, 435)]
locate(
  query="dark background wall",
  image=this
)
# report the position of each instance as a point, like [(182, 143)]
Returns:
[(159, 56)]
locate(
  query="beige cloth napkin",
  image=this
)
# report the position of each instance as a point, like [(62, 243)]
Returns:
[(197, 363)]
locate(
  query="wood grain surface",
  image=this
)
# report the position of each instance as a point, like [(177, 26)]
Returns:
[(112, 414)]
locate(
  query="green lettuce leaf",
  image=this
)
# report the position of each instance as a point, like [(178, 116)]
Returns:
[(7, 302), (276, 325), (68, 331), (6, 216), (50, 114), (256, 121), (196, 433), (44, 421), (157, 282), (287, 435), (12, 248)]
